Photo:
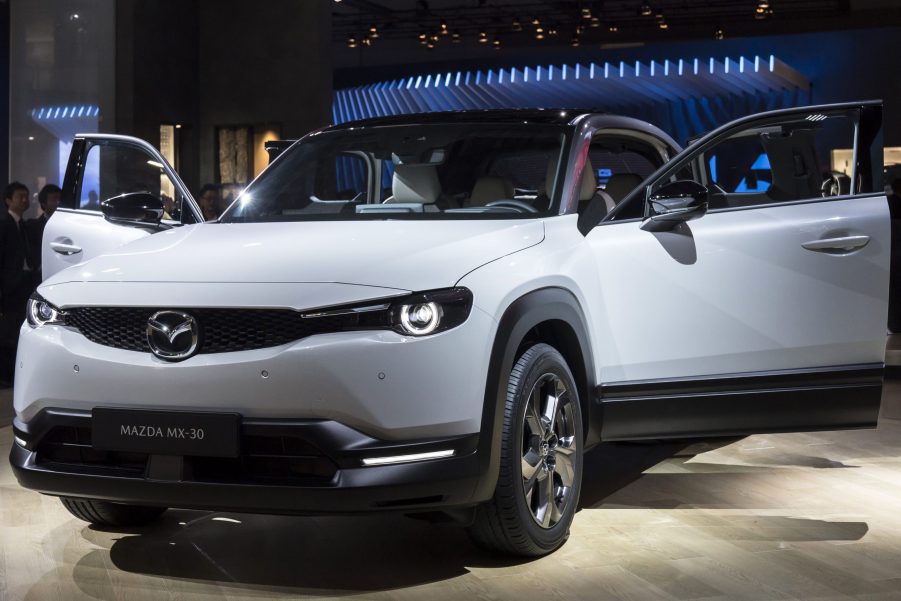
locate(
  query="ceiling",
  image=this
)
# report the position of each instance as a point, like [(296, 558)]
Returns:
[(605, 22)]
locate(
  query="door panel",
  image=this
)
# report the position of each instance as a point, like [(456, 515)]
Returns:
[(736, 291), (88, 232), (705, 314), (101, 167)]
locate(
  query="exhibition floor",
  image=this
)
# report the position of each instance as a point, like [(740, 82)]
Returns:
[(790, 516)]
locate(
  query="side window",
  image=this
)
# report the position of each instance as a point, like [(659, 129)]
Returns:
[(344, 178), (620, 165), (804, 157), (115, 169)]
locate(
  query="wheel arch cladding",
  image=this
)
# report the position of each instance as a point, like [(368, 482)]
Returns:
[(552, 316)]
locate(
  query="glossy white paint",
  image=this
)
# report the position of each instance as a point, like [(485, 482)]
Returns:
[(737, 292), (432, 386), (88, 231), (732, 292), (407, 255)]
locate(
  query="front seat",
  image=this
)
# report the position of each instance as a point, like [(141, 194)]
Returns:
[(620, 184), (415, 183), (594, 204), (489, 188)]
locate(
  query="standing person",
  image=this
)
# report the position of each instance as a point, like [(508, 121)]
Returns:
[(49, 198), (16, 276), (209, 202)]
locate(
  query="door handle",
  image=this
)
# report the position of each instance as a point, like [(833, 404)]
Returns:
[(837, 245), (64, 246)]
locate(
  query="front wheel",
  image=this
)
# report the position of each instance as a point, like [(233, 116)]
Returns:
[(106, 514), (541, 460)]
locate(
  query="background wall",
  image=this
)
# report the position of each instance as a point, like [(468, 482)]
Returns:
[(62, 55), (205, 65), (4, 92)]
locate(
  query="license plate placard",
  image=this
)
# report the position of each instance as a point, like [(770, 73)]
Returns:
[(166, 432)]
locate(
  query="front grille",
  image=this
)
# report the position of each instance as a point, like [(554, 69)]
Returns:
[(221, 330), (265, 459)]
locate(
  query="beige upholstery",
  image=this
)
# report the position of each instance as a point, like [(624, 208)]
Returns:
[(589, 182), (621, 184), (490, 188), (589, 193), (415, 183)]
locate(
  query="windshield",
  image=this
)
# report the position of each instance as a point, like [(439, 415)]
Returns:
[(460, 171)]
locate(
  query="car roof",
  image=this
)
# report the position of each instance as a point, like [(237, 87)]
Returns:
[(549, 116)]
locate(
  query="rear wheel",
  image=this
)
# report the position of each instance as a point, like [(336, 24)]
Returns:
[(541, 460), (104, 513)]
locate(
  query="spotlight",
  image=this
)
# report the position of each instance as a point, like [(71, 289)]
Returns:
[(351, 42), (663, 25), (434, 37), (536, 21), (580, 29), (718, 33), (574, 42), (483, 37), (552, 31), (613, 28), (455, 37), (595, 22), (516, 25), (539, 35), (423, 36), (497, 43), (430, 44), (763, 4), (367, 41), (645, 10), (586, 12), (443, 26), (373, 32)]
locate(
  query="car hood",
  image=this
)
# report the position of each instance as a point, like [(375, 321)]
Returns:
[(393, 256)]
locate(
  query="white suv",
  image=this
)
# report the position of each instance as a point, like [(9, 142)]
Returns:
[(440, 313)]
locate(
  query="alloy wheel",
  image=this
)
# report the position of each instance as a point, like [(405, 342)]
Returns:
[(548, 448)]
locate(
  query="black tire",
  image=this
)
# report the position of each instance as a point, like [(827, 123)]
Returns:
[(104, 513), (509, 522)]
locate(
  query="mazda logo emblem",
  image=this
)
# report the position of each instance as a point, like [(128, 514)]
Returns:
[(172, 335)]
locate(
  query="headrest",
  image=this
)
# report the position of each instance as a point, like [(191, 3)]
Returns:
[(489, 188), (549, 175), (415, 183), (589, 184), (621, 184)]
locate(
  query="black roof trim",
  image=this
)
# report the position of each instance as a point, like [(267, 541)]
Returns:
[(546, 116)]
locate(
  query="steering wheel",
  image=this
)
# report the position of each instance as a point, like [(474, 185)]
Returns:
[(513, 204), (830, 186)]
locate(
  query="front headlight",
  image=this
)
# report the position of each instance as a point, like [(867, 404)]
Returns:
[(419, 314), (431, 312), (41, 313)]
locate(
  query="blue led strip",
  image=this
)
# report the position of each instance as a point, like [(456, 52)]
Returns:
[(686, 96)]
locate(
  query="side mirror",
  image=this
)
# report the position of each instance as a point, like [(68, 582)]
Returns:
[(675, 203), (133, 208)]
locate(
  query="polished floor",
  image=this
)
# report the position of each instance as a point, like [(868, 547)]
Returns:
[(791, 516)]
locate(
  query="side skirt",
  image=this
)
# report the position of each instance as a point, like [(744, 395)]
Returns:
[(825, 398)]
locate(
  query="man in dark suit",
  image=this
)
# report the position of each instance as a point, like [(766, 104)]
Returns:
[(16, 276), (49, 198)]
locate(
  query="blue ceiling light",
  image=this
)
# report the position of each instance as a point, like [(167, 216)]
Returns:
[(685, 96)]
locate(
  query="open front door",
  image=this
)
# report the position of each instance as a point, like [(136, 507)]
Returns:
[(102, 167), (746, 282)]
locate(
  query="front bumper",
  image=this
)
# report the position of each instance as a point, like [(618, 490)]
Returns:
[(389, 386), (285, 467)]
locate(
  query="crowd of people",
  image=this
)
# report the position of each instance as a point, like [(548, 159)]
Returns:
[(20, 264)]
